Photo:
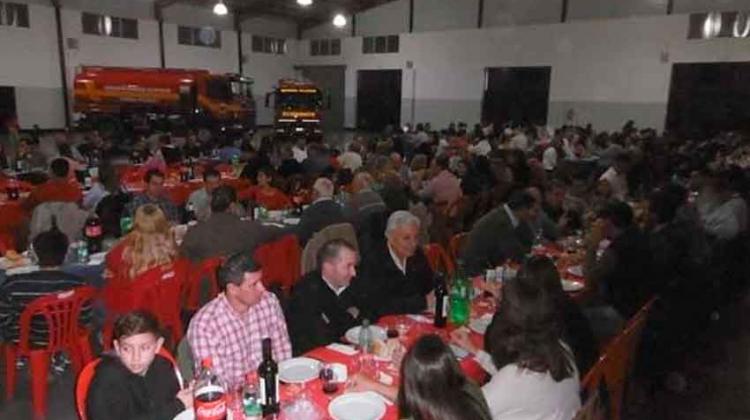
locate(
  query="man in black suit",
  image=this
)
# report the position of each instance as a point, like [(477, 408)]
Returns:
[(322, 306), (322, 212), (396, 277), (502, 234)]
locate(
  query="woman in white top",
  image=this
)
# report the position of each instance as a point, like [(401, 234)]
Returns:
[(534, 376)]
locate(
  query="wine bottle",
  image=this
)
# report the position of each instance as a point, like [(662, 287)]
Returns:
[(268, 377), (441, 301)]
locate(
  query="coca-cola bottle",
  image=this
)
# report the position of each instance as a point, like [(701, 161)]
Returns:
[(209, 398), (92, 231), (12, 190)]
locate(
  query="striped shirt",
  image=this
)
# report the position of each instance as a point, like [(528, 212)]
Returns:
[(19, 290)]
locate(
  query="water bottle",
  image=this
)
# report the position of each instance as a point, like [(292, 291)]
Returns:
[(460, 297), (365, 337)]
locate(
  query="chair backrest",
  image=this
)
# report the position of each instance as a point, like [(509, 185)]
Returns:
[(438, 258), (592, 408), (165, 299), (343, 231), (280, 260), (87, 375), (61, 311), (457, 244), (206, 270)]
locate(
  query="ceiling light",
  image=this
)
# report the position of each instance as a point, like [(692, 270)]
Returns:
[(220, 8), (304, 3), (339, 21)]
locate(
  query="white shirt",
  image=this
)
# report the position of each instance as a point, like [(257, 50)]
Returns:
[(338, 291), (514, 393), (618, 182), (520, 142), (350, 160), (397, 260), (549, 158), (299, 154)]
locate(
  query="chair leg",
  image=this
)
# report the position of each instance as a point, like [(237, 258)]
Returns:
[(10, 371), (39, 362)]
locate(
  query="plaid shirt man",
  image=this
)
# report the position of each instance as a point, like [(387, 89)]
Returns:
[(233, 340), (170, 210)]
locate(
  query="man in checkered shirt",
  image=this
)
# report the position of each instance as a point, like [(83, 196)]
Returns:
[(229, 329)]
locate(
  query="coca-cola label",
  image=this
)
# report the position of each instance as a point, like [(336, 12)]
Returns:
[(93, 231), (210, 403)]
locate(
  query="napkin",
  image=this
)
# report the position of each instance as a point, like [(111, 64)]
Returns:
[(420, 318), (342, 348)]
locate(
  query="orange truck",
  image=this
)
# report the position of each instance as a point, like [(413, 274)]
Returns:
[(223, 101), (297, 109)]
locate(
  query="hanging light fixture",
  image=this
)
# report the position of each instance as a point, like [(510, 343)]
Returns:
[(304, 3), (220, 8), (339, 21)]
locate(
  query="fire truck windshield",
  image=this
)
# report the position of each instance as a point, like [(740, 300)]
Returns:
[(223, 89), (299, 100), (242, 90)]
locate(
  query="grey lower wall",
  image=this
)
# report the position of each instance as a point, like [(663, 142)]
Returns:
[(608, 115), (38, 105)]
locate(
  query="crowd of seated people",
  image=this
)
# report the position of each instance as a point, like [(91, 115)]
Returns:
[(655, 215)]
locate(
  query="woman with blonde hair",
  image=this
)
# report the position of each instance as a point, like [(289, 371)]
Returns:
[(149, 245)]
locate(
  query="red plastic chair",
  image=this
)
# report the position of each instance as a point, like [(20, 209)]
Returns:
[(281, 261), (616, 364), (205, 270), (165, 299), (457, 244), (87, 375), (439, 259), (61, 311)]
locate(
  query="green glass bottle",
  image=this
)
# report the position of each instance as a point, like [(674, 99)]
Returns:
[(460, 297)]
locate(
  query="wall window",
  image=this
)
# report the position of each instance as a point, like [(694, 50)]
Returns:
[(380, 44), (199, 37), (719, 25), (94, 24), (14, 14), (268, 45), (325, 47)]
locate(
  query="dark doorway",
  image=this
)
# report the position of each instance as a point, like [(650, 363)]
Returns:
[(519, 95), (7, 106), (332, 80), (378, 99), (706, 98)]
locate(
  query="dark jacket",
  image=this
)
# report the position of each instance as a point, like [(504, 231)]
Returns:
[(493, 239), (224, 234), (116, 393), (578, 335), (316, 217), (316, 315), (385, 290)]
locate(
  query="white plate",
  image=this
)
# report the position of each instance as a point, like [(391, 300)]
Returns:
[(576, 270), (298, 370), (357, 406), (572, 286), (291, 221), (479, 325), (378, 333)]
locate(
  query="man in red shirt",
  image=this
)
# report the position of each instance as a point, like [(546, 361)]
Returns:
[(58, 188)]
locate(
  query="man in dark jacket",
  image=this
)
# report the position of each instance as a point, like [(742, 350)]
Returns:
[(396, 278), (322, 212), (323, 306)]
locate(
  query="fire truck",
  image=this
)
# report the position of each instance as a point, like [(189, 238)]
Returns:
[(297, 109), (199, 98)]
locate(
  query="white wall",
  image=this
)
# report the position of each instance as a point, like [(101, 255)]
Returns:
[(185, 14), (327, 30), (388, 19), (269, 26), (690, 6), (597, 9), (218, 60), (441, 15), (520, 12)]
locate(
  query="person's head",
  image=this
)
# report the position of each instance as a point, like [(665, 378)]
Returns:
[(527, 328), (154, 182), (540, 271), (442, 163), (337, 260), (222, 198), (523, 205), (396, 160), (664, 203), (50, 247), (59, 168), (151, 242), (264, 177), (555, 194), (211, 179), (432, 384), (322, 188), (617, 217), (108, 177), (240, 277), (622, 163), (419, 162), (402, 233), (137, 339), (362, 181)]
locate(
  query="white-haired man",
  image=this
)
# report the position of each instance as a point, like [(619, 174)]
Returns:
[(396, 278), (323, 211)]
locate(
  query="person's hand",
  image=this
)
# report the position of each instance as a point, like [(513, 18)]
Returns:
[(494, 288), (186, 397), (430, 298), (460, 337), (353, 311)]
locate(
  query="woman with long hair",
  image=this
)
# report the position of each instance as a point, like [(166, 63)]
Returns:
[(432, 385)]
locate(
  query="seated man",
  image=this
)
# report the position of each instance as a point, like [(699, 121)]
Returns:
[(20, 289), (502, 234), (229, 329), (135, 382), (396, 278), (224, 233), (322, 212), (200, 199), (322, 306), (58, 188), (155, 194)]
